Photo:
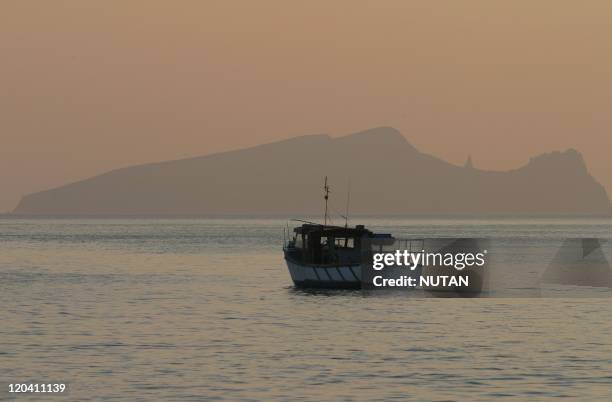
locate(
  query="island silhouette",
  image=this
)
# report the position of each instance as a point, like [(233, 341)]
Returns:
[(388, 176)]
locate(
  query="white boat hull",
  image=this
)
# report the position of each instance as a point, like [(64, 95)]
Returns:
[(331, 277)]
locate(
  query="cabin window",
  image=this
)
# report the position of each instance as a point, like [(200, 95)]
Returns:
[(300, 241), (347, 242)]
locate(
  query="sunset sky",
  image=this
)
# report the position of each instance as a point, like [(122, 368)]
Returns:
[(89, 86)]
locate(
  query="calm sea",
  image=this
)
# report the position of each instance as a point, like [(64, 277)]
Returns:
[(198, 309)]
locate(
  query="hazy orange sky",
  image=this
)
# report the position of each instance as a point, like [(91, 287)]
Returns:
[(88, 86)]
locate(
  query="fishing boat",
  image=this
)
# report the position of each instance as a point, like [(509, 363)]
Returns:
[(321, 255), (327, 256)]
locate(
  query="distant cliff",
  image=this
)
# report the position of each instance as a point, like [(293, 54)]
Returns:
[(388, 176)]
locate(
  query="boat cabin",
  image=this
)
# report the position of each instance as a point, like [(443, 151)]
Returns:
[(315, 244)]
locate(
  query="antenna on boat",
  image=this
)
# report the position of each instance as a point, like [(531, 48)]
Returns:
[(326, 195), (348, 201)]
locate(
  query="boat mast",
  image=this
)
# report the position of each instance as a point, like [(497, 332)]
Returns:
[(326, 195)]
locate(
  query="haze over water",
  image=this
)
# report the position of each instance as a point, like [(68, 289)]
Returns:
[(179, 309)]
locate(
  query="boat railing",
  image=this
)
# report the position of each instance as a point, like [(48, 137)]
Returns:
[(412, 245)]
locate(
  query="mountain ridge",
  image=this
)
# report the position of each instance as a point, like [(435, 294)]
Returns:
[(388, 174)]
